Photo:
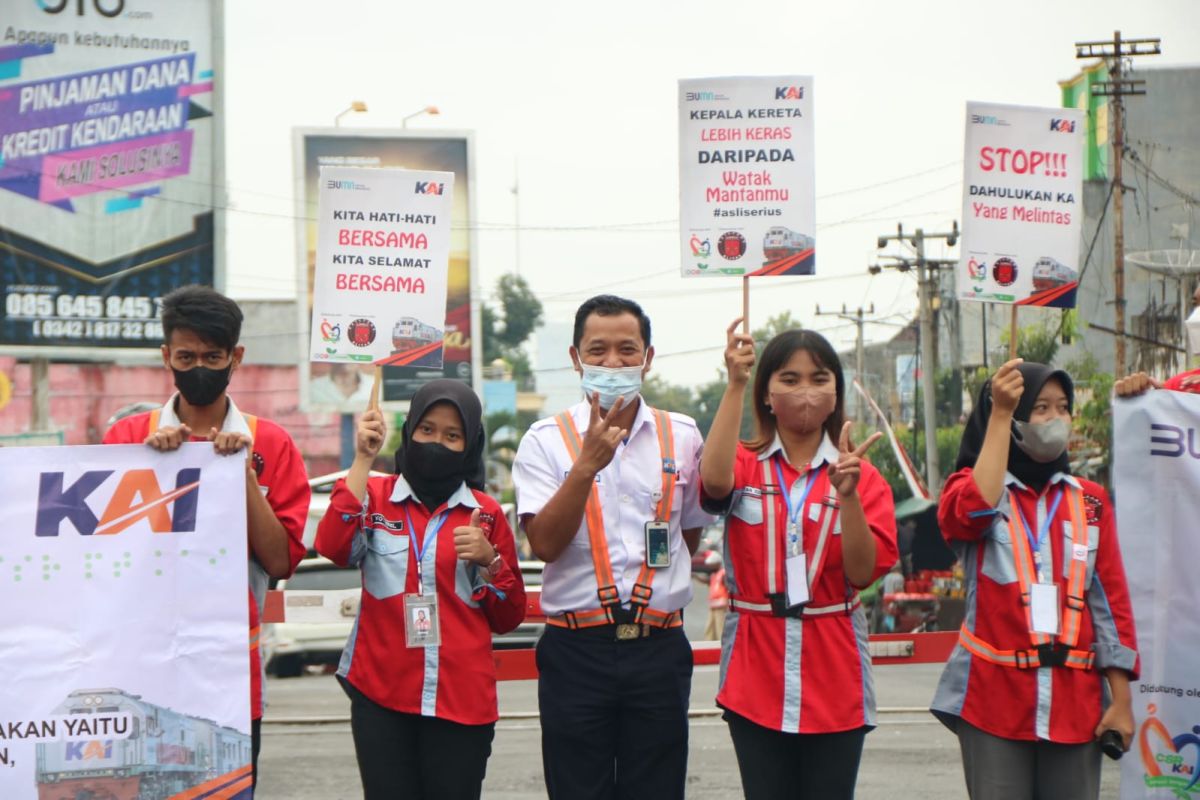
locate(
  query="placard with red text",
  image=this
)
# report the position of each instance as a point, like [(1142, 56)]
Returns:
[(383, 250), (746, 190), (1022, 205)]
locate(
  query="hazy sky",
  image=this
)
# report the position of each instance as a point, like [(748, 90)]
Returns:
[(578, 103)]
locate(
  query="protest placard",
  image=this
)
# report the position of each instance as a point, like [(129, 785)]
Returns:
[(383, 245), (1022, 205), (746, 191)]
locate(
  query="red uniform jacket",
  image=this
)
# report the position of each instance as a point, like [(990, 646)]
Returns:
[(810, 674), (1056, 704), (457, 679)]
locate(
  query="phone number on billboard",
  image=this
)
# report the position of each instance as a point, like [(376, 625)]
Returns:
[(69, 316)]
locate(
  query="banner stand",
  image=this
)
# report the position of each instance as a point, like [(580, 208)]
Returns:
[(376, 386)]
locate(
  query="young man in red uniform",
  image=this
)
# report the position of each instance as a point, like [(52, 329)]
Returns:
[(200, 332)]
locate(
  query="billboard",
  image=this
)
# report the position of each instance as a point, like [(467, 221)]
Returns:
[(340, 386), (108, 154), (125, 660), (1022, 205), (746, 187)]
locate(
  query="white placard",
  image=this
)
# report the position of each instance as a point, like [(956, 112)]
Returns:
[(1022, 205), (746, 196), (383, 249), (124, 648)]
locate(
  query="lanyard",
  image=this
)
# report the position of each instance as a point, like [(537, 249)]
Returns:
[(1035, 545), (420, 549), (795, 511)]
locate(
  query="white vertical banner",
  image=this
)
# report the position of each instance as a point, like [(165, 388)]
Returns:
[(1156, 478), (383, 250), (746, 187), (1022, 205), (123, 655)]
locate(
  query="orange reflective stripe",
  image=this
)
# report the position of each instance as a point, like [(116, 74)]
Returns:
[(1021, 659), (155, 416), (666, 448), (1076, 574), (1023, 560), (605, 587)]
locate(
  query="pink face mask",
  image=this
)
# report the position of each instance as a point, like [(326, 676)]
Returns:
[(803, 409)]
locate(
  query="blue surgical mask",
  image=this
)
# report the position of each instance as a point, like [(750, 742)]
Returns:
[(611, 383)]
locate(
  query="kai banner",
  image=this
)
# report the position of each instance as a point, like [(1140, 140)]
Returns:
[(1156, 463), (383, 250), (124, 645), (746, 189), (1022, 205)]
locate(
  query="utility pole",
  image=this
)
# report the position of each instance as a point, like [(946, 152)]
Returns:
[(855, 317), (1114, 52), (927, 284)]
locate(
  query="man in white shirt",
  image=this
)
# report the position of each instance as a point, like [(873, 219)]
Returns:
[(598, 488)]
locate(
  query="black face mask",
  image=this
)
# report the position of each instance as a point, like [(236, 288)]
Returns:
[(434, 471), (201, 386)]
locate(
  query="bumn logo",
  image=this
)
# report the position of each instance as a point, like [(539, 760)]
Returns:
[(136, 497)]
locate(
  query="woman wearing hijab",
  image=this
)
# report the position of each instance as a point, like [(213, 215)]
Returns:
[(440, 575), (1040, 676)]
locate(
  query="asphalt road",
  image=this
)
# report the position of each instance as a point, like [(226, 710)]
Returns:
[(909, 755)]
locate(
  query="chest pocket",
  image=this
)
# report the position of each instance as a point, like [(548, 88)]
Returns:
[(748, 508), (998, 564), (385, 567), (1093, 546)]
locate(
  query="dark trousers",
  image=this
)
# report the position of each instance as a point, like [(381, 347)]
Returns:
[(412, 757), (255, 746), (813, 766), (614, 715), (1013, 769)]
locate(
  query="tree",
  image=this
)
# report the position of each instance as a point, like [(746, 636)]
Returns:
[(505, 332)]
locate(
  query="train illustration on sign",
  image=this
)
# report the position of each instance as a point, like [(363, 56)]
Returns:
[(1050, 274), (409, 333), (164, 752), (781, 242)]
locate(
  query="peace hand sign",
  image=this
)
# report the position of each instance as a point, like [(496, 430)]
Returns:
[(845, 473), (601, 440)]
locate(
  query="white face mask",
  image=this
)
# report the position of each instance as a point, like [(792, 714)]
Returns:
[(611, 383), (1192, 326)]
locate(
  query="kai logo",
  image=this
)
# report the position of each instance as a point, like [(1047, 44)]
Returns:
[(789, 92), (137, 496), (429, 187), (85, 751), (1062, 125)]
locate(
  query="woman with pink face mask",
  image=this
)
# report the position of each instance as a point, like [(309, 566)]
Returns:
[(808, 522)]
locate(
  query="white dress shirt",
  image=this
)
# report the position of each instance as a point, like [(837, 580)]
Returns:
[(628, 488)]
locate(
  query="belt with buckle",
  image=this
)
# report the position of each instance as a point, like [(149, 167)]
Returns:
[(619, 631)]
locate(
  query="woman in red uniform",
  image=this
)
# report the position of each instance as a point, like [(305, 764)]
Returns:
[(440, 575), (1047, 648), (808, 522)]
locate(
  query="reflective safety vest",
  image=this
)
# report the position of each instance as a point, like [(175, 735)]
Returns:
[(1045, 652), (775, 603), (610, 611)]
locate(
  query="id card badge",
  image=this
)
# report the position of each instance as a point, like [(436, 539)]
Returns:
[(421, 628), (1043, 608), (658, 546), (796, 565)]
